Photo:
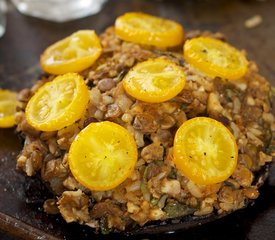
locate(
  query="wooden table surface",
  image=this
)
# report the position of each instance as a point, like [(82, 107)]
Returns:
[(27, 37)]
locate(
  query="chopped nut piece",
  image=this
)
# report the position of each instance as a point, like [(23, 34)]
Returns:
[(50, 206), (152, 152), (73, 206)]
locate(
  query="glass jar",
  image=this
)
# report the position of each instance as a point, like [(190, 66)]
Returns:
[(59, 10)]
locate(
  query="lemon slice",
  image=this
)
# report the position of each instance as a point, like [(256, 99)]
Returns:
[(72, 54), (205, 151), (215, 58), (155, 80), (102, 156), (149, 30), (58, 103), (8, 105)]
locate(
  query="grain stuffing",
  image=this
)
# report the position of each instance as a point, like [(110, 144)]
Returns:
[(155, 190)]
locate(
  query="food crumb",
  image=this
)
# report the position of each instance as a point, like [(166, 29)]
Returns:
[(253, 22)]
